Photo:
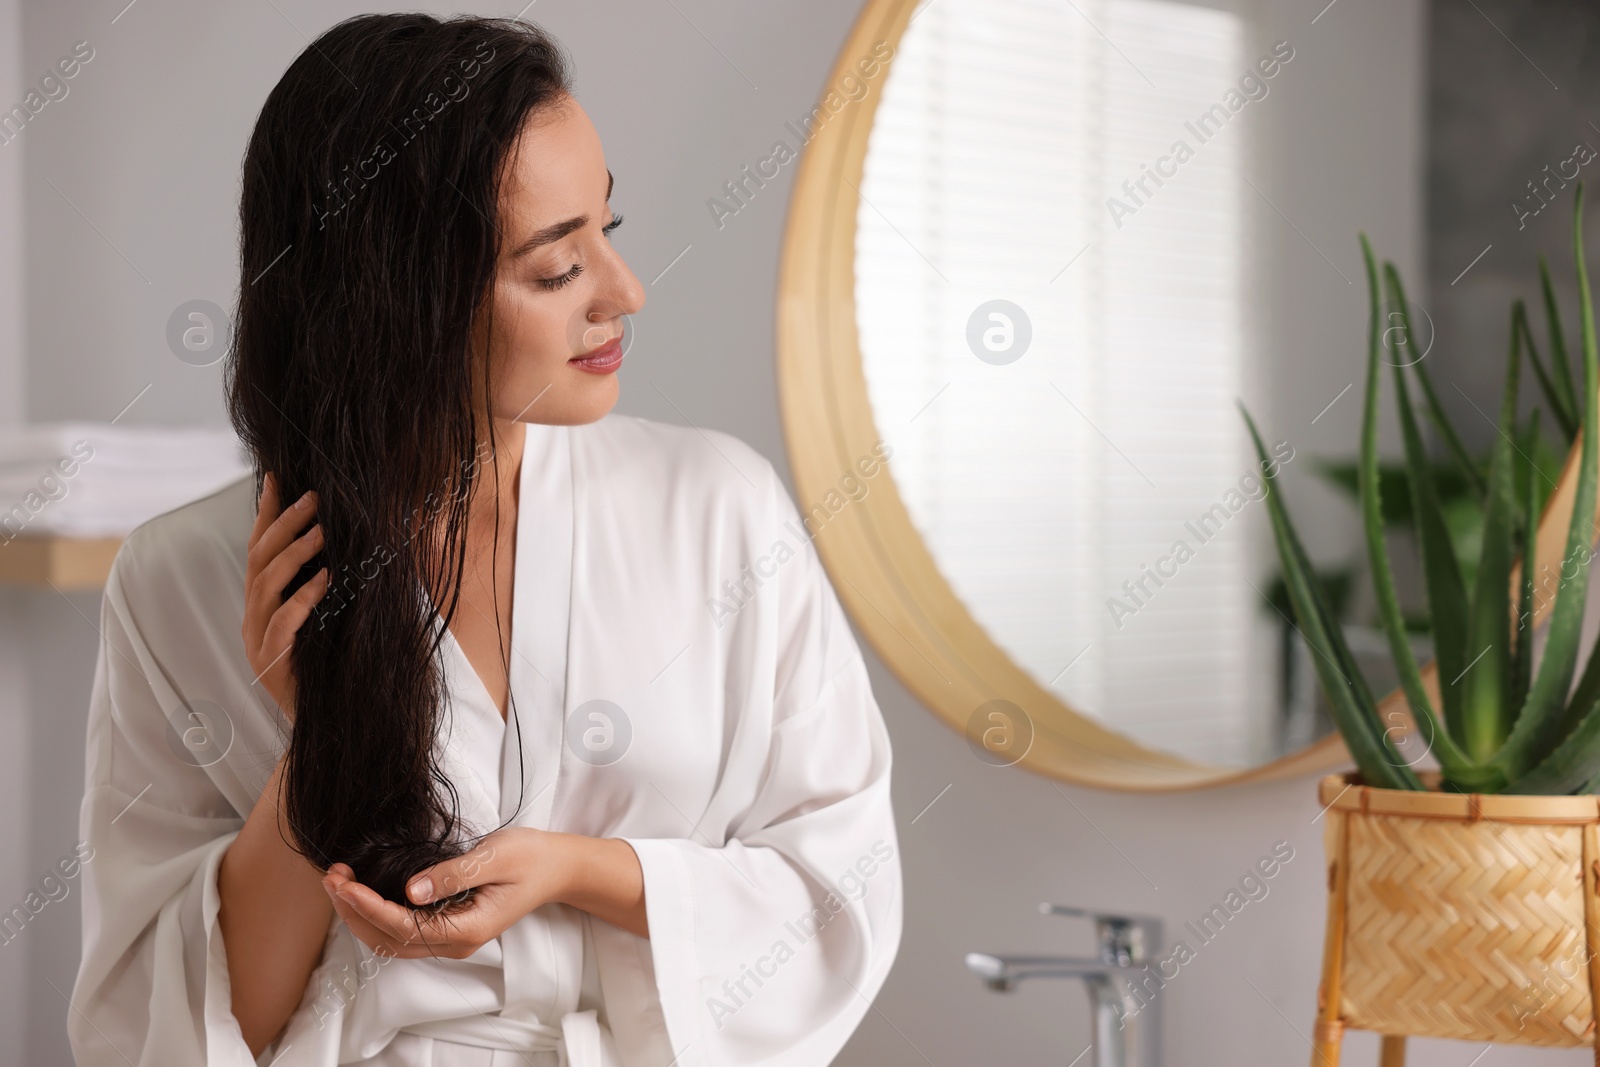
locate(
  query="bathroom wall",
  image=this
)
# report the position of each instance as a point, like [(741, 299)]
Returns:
[(1512, 88), (12, 251), (15, 712), (130, 187)]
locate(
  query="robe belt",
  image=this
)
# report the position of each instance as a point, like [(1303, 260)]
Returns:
[(580, 1041)]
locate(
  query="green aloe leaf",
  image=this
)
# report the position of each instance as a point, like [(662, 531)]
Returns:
[(1447, 431), (1584, 698), (1487, 711), (1522, 667), (1560, 364), (1570, 766), (1354, 710), (1585, 695), (1538, 728), (1447, 597), (1566, 418)]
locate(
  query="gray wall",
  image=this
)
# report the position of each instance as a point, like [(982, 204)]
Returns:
[(1500, 115), (130, 184)]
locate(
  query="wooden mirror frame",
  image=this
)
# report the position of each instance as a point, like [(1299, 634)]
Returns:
[(883, 572)]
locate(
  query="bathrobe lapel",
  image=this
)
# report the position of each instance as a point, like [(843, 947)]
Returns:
[(545, 949)]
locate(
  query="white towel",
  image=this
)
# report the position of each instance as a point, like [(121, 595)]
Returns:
[(82, 479)]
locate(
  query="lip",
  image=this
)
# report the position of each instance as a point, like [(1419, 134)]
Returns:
[(603, 360)]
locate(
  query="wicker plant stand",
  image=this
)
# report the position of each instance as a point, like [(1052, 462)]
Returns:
[(1460, 916)]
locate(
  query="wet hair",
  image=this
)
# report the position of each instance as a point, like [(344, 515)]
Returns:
[(367, 257)]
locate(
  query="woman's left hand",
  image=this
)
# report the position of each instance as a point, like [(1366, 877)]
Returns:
[(515, 871)]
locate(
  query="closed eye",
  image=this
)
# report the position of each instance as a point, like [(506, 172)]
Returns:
[(577, 268), (562, 279)]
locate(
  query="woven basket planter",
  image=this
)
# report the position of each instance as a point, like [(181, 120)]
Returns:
[(1460, 916)]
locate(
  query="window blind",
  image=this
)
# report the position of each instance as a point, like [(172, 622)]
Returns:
[(1044, 484)]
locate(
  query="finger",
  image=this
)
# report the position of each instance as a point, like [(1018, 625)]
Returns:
[(294, 612), (265, 579), (339, 882), (283, 529), (277, 536), (477, 867), (280, 570), (396, 920), (369, 935), (457, 933), (266, 508), (432, 935)]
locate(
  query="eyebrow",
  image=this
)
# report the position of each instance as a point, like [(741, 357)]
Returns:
[(553, 233)]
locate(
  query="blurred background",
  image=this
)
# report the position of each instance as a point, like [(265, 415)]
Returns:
[(117, 208)]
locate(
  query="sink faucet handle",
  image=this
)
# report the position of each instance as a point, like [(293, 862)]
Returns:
[(1124, 939)]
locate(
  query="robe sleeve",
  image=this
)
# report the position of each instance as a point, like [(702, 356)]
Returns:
[(769, 947), (152, 988)]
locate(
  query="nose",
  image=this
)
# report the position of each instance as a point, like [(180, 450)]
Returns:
[(622, 291), (619, 293)]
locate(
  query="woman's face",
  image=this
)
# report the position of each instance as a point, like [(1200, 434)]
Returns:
[(560, 289)]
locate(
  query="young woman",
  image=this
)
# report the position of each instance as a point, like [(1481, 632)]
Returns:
[(547, 741)]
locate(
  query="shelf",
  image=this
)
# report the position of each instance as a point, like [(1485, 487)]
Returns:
[(63, 562)]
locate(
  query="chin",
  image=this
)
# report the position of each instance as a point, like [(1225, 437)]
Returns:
[(579, 402)]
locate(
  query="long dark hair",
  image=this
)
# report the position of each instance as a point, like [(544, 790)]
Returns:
[(367, 255)]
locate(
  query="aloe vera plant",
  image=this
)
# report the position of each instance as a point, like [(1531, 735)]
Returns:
[(1502, 724)]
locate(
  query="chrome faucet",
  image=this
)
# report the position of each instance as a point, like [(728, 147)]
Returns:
[(1122, 987)]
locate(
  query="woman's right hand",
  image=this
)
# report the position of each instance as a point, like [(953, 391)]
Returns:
[(278, 549)]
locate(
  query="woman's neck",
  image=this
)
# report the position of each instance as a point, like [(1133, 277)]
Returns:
[(499, 470)]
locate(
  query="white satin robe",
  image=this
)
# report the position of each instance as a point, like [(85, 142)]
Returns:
[(754, 786)]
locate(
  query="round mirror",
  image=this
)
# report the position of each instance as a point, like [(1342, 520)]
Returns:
[(1038, 255)]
